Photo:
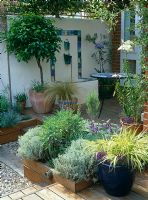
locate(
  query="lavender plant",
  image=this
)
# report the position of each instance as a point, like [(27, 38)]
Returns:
[(101, 130)]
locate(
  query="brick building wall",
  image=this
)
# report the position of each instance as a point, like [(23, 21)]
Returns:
[(145, 119), (116, 41)]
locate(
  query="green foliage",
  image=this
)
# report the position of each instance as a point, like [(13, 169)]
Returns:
[(31, 145), (92, 103), (38, 87), (60, 130), (62, 91), (4, 103), (33, 36), (125, 148), (52, 7), (21, 97), (9, 119), (76, 163), (132, 95)]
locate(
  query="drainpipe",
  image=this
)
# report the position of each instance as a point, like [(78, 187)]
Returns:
[(9, 71)]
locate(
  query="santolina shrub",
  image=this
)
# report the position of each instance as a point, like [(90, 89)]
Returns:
[(77, 163), (31, 145)]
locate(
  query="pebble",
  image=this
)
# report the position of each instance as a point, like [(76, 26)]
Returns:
[(10, 180)]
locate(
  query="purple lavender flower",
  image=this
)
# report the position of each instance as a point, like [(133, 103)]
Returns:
[(93, 127), (100, 155)]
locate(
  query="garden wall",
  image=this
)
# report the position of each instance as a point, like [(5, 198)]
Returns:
[(73, 30)]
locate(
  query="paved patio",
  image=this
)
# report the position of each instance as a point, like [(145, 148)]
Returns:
[(58, 192), (110, 110)]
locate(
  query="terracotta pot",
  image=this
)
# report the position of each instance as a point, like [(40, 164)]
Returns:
[(137, 128), (41, 103), (71, 185), (22, 106)]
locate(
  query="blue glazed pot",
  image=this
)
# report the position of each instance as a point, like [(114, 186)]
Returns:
[(116, 181)]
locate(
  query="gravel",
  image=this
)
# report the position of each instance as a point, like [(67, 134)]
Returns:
[(10, 181)]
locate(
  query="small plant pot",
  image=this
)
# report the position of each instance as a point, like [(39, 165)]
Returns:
[(67, 59), (21, 105), (40, 102), (116, 181), (71, 185), (131, 126)]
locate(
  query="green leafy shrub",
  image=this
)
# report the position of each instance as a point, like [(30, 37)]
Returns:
[(9, 119), (4, 103), (76, 163), (60, 130), (92, 103), (31, 145)]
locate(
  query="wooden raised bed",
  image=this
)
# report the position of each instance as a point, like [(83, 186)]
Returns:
[(11, 134), (37, 172), (71, 185)]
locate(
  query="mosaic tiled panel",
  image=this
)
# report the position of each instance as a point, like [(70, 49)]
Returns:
[(69, 33)]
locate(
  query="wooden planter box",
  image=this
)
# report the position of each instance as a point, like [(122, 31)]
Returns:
[(37, 172), (71, 185), (11, 134)]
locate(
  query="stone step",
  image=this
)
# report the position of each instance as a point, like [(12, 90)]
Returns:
[(22, 193)]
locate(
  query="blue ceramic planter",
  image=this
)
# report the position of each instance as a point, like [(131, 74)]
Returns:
[(116, 181)]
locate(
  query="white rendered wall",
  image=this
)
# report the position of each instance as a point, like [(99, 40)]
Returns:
[(22, 74), (4, 81)]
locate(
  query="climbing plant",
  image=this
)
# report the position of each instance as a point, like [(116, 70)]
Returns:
[(50, 7), (109, 10)]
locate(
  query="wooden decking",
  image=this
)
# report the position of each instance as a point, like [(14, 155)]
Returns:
[(58, 192)]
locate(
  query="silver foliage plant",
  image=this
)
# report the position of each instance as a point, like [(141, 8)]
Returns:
[(77, 163), (31, 145)]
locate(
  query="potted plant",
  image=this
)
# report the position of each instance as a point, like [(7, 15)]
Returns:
[(64, 94), (41, 102), (21, 101), (41, 41), (67, 59), (76, 168), (131, 96), (119, 158)]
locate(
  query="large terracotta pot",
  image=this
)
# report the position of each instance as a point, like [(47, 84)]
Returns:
[(41, 103)]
